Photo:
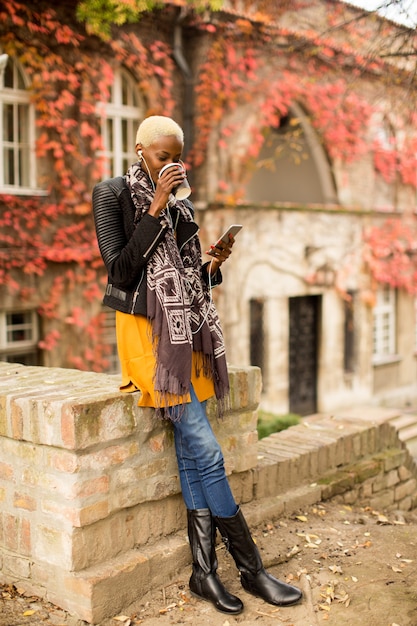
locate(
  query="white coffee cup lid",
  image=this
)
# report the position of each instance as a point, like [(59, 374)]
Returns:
[(167, 166), (183, 190)]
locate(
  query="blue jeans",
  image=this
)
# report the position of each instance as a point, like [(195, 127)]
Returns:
[(200, 462)]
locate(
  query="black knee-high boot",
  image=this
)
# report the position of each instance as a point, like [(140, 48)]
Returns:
[(204, 581), (255, 579)]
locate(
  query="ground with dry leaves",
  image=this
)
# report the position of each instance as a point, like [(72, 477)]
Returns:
[(355, 566)]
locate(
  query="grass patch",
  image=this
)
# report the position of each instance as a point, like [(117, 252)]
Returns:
[(269, 423)]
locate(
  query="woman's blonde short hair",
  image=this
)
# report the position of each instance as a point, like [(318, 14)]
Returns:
[(157, 126)]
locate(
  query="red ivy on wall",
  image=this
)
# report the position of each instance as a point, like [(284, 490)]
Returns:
[(391, 253), (39, 232)]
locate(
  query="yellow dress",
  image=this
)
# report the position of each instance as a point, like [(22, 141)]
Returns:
[(138, 363)]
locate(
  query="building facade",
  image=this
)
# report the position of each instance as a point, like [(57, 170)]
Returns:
[(295, 128)]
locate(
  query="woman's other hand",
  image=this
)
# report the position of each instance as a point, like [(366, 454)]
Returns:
[(220, 252)]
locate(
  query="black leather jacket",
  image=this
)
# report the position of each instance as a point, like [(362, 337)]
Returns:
[(126, 249)]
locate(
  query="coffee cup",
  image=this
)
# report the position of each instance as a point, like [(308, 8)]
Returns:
[(183, 190)]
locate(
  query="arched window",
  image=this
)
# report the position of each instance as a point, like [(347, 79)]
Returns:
[(121, 115), (292, 165), (17, 164)]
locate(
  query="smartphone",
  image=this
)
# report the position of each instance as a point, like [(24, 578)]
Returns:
[(232, 230)]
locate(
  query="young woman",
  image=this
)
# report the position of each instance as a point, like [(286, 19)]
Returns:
[(171, 347)]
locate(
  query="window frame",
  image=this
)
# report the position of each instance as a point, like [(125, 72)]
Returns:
[(17, 97), (384, 325), (119, 151), (15, 348)]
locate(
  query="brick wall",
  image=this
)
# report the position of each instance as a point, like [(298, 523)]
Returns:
[(354, 456)]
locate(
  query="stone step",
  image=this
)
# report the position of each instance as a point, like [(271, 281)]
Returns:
[(106, 589), (409, 433), (403, 421), (406, 425)]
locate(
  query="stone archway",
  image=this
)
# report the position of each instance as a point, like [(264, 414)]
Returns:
[(292, 165)]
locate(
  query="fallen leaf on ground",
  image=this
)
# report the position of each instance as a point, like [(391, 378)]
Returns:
[(168, 608), (294, 550), (184, 597), (266, 614), (343, 599), (307, 536)]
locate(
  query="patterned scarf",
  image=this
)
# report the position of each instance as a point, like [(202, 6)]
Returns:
[(184, 318)]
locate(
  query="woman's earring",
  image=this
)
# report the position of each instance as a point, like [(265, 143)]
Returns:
[(139, 153)]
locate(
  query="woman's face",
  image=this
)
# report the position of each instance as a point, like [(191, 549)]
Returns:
[(165, 149)]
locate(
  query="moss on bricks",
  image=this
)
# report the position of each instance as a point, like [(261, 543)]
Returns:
[(392, 458), (366, 469), (336, 484)]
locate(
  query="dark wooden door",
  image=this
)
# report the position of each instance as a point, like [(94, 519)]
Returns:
[(303, 346)]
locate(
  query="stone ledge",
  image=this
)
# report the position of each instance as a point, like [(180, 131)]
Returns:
[(76, 410)]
